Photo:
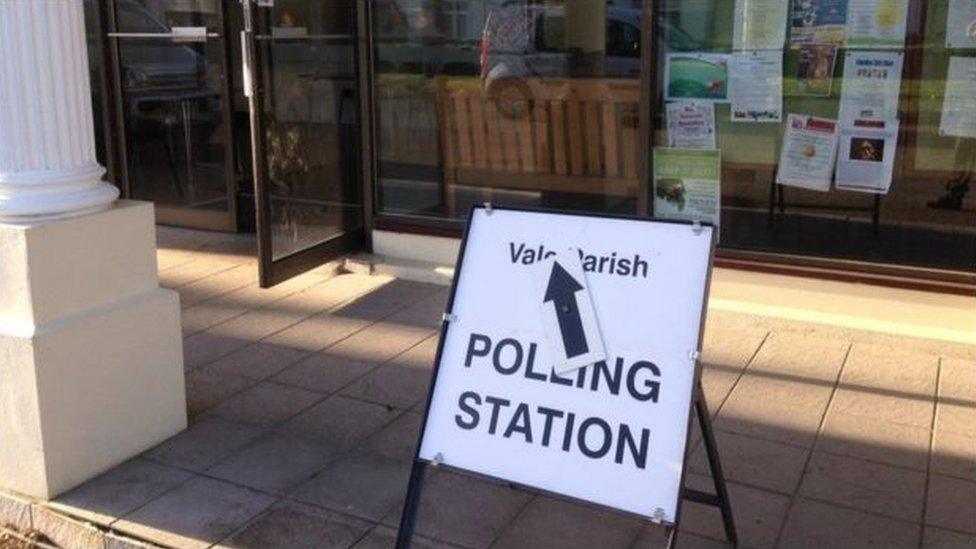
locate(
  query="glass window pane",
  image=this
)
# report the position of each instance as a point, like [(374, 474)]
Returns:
[(835, 62), (177, 138), (513, 102)]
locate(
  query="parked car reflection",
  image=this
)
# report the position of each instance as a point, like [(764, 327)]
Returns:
[(170, 99)]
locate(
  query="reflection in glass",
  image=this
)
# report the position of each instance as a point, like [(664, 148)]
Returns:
[(310, 114), (512, 102), (172, 103)]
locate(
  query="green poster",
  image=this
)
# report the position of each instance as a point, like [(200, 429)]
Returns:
[(702, 76), (687, 184)]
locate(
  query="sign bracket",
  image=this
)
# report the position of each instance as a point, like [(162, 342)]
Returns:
[(720, 498)]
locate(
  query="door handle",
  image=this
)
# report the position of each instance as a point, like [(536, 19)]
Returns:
[(247, 79), (178, 34)]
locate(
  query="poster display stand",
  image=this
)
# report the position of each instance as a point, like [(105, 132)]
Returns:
[(777, 203)]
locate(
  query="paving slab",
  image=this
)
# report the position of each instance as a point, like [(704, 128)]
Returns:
[(464, 510), (384, 537), (220, 283), (954, 455), (775, 409), (957, 380), (204, 443), (956, 418), (883, 489), (755, 462), (956, 410), (186, 273), (937, 538), (380, 342), (298, 526), (758, 514), (815, 524), (274, 463), (654, 536), (800, 357), (341, 421), (400, 383), (257, 361), (731, 346), (212, 312), (196, 515), (205, 389), (120, 491), (556, 523), (951, 504), (875, 440), (397, 440), (359, 484), (266, 404), (324, 372)]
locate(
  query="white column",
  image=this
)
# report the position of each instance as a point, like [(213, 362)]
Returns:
[(91, 361), (47, 146)]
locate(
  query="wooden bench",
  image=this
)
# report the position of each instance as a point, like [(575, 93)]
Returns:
[(566, 136)]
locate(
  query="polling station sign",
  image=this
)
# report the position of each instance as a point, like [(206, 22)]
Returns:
[(532, 291)]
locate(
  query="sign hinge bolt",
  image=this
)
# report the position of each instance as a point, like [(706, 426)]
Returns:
[(438, 459), (449, 317), (487, 208), (696, 227), (694, 355)]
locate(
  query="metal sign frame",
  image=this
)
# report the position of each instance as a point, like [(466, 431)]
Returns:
[(719, 499)]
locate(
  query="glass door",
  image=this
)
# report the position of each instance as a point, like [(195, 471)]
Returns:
[(174, 131), (301, 81)]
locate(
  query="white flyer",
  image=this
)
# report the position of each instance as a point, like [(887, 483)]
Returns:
[(866, 156), (872, 83), (961, 24), (876, 23), (691, 125), (959, 101), (760, 24), (809, 149), (756, 86)]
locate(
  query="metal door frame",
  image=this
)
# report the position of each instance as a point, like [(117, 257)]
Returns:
[(167, 214), (273, 271)]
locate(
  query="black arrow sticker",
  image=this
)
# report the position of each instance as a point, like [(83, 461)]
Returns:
[(561, 290)]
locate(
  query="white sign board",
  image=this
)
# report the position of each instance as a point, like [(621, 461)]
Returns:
[(612, 433)]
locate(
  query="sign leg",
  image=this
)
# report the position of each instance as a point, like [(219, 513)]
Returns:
[(411, 504), (718, 479)]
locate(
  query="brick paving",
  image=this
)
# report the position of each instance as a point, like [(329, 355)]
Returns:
[(305, 401)]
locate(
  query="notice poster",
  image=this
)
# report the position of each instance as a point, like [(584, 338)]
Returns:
[(959, 101), (961, 24), (756, 86), (814, 70), (691, 125), (866, 156), (701, 76), (687, 184), (876, 23), (872, 82), (818, 22), (809, 150), (759, 24)]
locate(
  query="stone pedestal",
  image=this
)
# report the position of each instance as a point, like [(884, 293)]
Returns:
[(91, 366)]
